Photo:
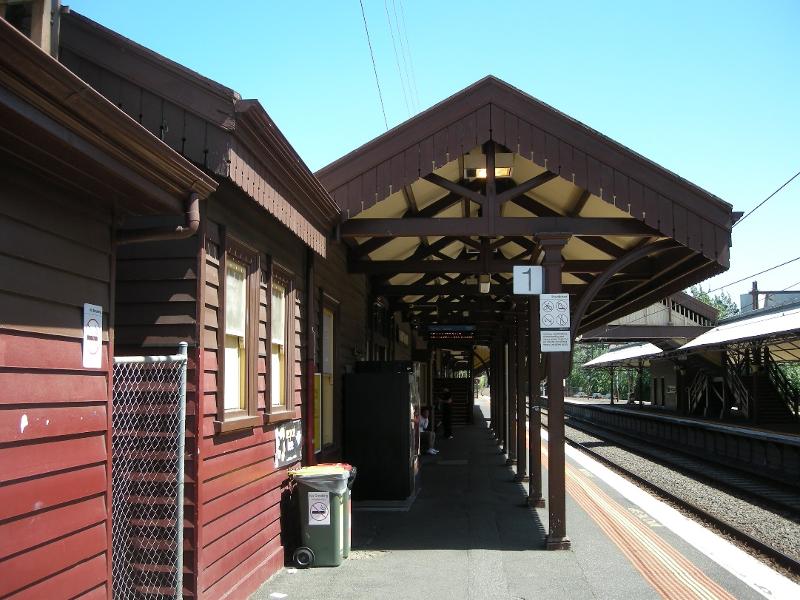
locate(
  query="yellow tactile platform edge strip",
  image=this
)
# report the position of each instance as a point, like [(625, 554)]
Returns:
[(670, 573)]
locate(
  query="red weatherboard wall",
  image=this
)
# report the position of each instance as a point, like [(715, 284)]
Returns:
[(240, 542), (54, 414)]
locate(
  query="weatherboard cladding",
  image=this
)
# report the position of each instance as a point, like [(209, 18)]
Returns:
[(493, 111), (55, 255)]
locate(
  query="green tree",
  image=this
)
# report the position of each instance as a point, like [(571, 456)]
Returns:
[(588, 380), (722, 302)]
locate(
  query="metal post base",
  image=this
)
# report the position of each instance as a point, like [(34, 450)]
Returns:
[(558, 543), (536, 502)]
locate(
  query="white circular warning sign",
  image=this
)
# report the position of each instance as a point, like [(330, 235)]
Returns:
[(319, 511)]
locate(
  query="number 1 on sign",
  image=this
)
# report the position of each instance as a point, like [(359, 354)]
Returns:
[(528, 279)]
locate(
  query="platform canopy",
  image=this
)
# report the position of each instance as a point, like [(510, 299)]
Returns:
[(628, 356), (439, 209), (778, 329)]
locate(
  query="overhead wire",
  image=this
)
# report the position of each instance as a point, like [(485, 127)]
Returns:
[(374, 68), (396, 57), (408, 51), (791, 260), (402, 48), (764, 201)]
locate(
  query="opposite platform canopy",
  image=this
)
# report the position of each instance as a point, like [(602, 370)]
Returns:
[(778, 329), (628, 356)]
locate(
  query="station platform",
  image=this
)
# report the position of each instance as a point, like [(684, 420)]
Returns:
[(470, 534), (646, 408)]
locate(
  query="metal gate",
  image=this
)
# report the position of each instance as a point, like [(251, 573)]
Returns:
[(147, 461)]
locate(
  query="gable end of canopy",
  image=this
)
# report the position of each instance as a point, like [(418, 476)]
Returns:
[(491, 110)]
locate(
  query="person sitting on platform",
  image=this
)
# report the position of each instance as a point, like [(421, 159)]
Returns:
[(426, 434)]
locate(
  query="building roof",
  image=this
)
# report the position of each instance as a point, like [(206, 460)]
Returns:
[(55, 121), (491, 109), (207, 122), (673, 320), (627, 356), (778, 328)]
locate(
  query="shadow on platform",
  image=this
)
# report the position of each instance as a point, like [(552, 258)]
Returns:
[(467, 501)]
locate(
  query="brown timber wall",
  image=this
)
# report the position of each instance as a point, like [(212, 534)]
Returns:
[(240, 541), (156, 307), (55, 255), (350, 323)]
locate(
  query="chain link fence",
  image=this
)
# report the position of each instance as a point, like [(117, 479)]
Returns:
[(148, 441)]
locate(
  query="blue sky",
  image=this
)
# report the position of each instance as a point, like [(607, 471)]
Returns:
[(708, 89)]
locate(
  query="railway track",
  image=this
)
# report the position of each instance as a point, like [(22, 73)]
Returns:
[(743, 487)]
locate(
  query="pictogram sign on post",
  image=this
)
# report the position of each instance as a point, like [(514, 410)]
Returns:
[(554, 322)]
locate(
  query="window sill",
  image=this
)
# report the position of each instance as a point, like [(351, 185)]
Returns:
[(237, 423), (276, 417)]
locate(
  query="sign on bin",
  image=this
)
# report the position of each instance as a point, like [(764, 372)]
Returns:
[(319, 508)]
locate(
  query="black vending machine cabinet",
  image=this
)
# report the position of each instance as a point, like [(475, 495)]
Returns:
[(380, 435)]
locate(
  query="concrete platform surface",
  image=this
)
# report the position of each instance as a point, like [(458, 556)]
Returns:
[(470, 534)]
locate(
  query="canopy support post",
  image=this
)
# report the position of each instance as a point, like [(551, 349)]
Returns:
[(557, 539), (534, 416)]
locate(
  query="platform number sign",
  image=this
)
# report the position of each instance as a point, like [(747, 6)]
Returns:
[(528, 279)]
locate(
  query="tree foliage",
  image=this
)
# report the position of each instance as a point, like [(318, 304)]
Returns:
[(722, 301), (588, 380), (598, 380)]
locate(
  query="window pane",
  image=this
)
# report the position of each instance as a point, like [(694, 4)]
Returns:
[(234, 373), (278, 310), (235, 297), (278, 375)]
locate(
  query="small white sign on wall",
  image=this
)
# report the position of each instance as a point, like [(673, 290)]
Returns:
[(92, 336)]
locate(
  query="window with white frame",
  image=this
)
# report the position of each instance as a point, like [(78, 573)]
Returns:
[(235, 362)]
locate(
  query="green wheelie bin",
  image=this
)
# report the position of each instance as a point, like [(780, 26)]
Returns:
[(347, 509), (322, 490)]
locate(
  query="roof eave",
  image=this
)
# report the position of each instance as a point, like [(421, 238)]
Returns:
[(52, 90), (256, 131)]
